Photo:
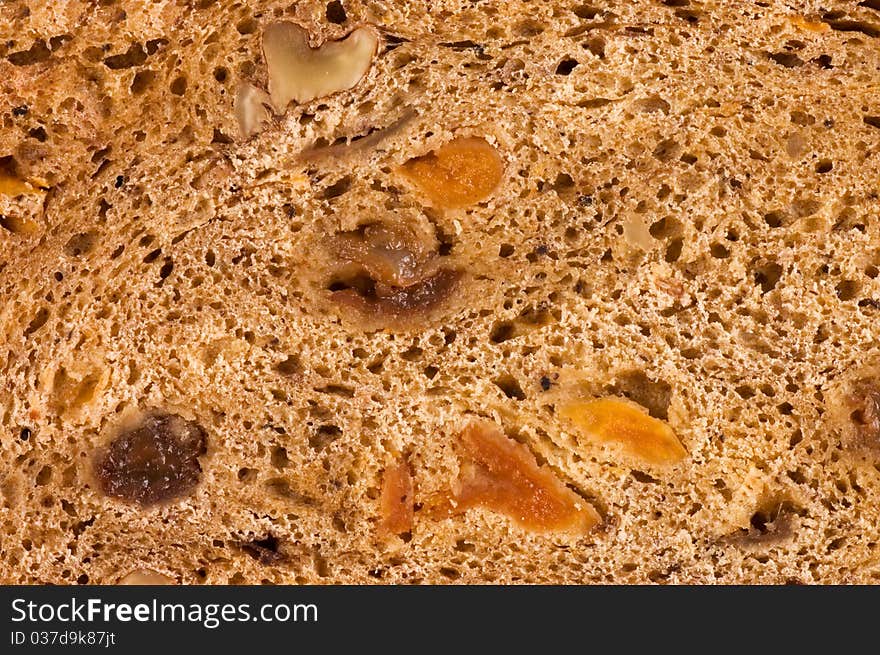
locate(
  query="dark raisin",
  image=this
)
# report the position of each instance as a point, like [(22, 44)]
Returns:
[(396, 303), (153, 461), (390, 276), (20, 110)]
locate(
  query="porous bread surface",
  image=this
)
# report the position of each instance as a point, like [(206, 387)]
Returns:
[(688, 218)]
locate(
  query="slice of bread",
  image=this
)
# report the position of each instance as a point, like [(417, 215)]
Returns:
[(401, 292)]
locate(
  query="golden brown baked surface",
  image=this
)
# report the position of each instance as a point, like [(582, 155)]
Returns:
[(400, 292)]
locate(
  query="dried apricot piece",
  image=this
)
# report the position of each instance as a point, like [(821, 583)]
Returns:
[(810, 25), (458, 174), (12, 182), (502, 475), (20, 201), (627, 425), (396, 501), (12, 186)]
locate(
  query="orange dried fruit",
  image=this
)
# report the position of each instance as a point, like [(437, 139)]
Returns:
[(458, 174), (626, 425), (810, 25), (396, 501), (20, 200), (19, 224), (502, 475), (11, 186)]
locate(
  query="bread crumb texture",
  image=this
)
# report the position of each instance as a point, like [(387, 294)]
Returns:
[(432, 292)]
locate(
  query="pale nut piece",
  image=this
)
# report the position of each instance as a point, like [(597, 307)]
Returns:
[(250, 109), (302, 73), (145, 577), (626, 425), (637, 233)]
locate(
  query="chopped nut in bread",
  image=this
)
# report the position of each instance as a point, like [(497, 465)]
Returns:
[(250, 109), (298, 72)]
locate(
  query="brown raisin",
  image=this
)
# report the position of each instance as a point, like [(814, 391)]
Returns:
[(389, 275), (155, 460), (399, 305)]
